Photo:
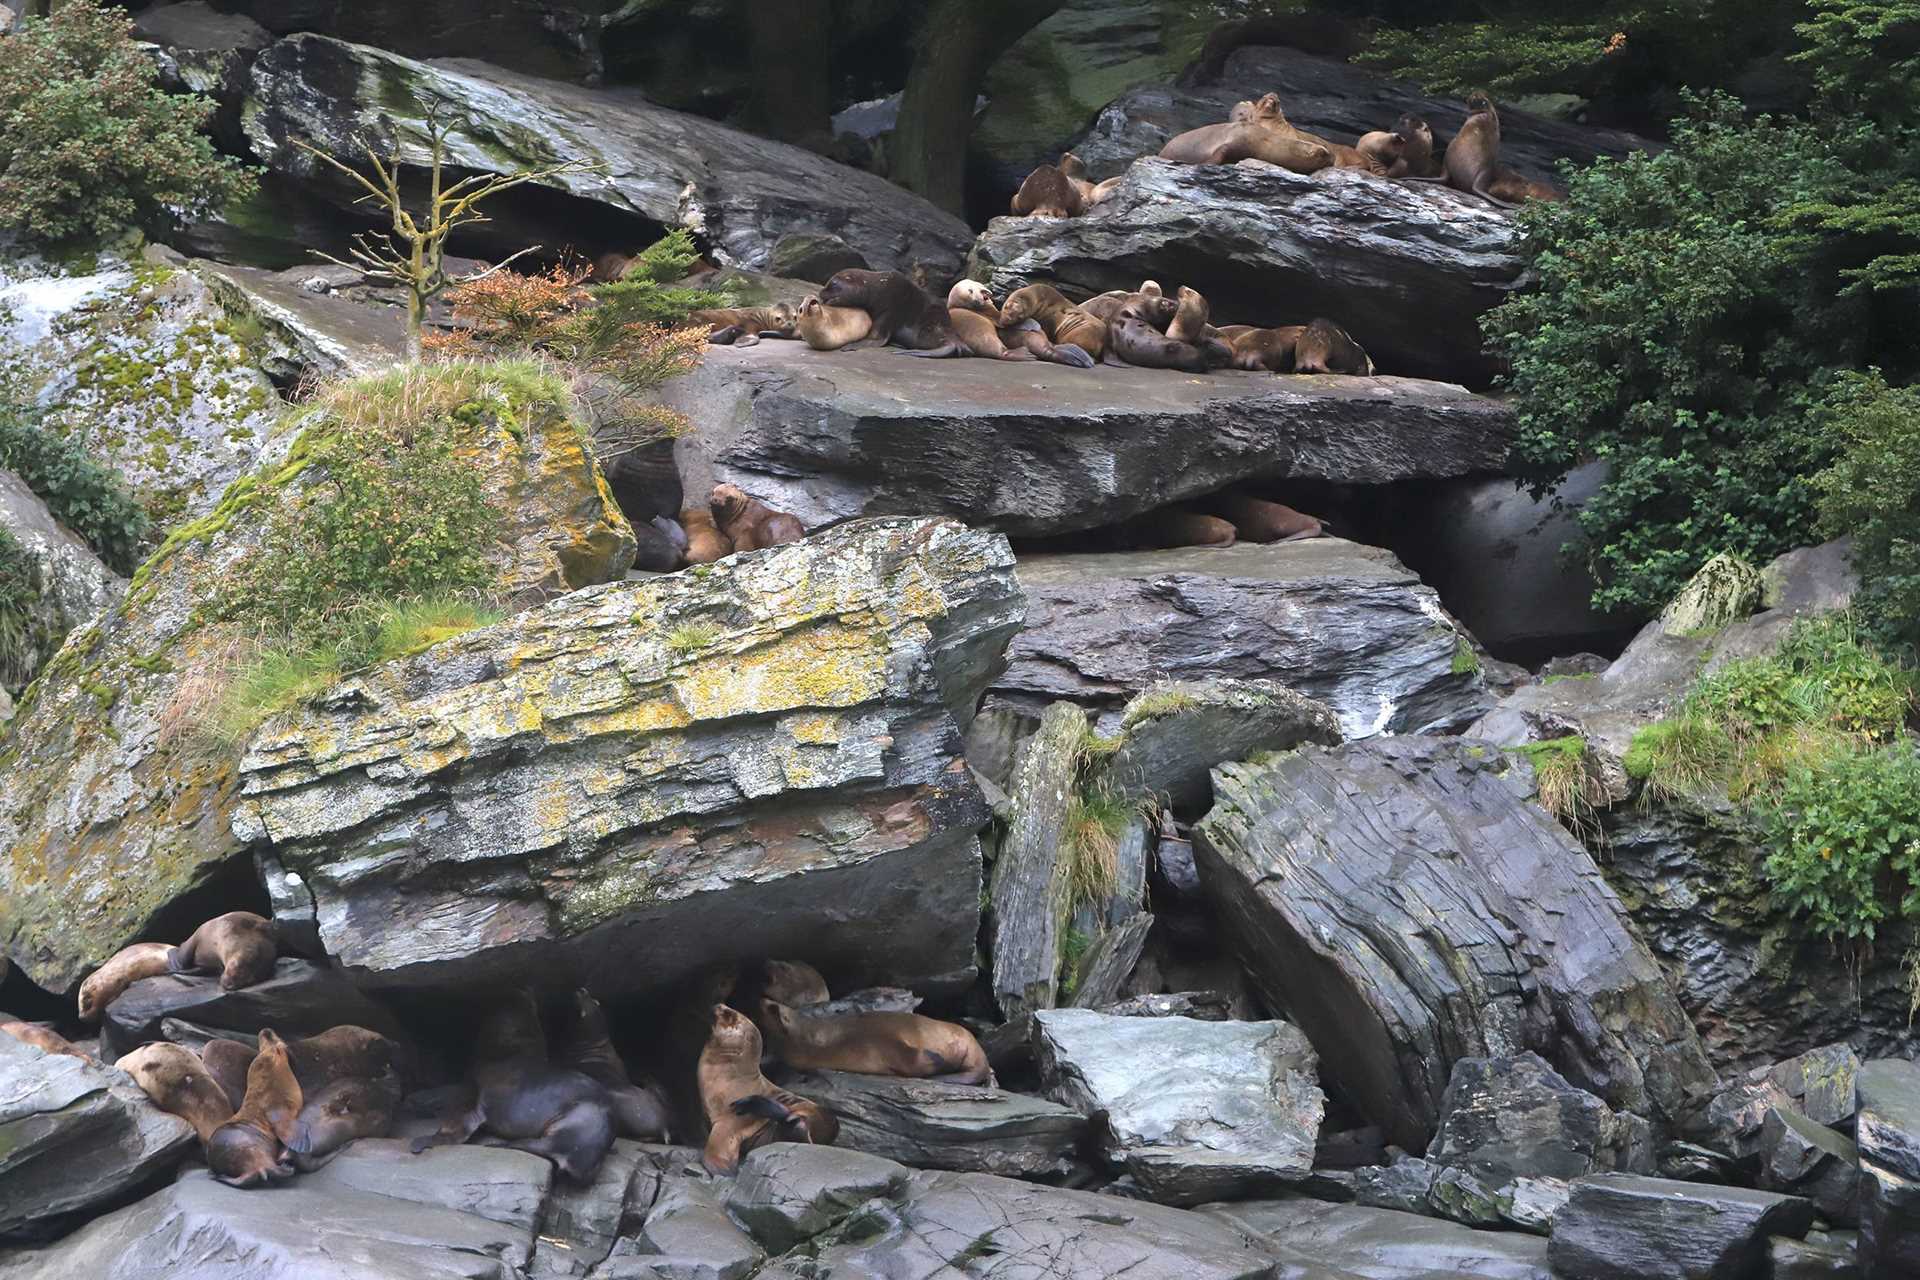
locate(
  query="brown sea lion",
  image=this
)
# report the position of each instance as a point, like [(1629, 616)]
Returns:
[(239, 946), (1324, 347), (128, 966), (250, 1150), (1472, 161), (1178, 527), (554, 1112), (610, 267), (794, 983), (227, 1062), (1510, 186), (639, 1110), (1267, 114), (1268, 349), (339, 1112), (43, 1038), (705, 542), (744, 326), (1189, 323), (1383, 149), (1257, 520), (903, 314), (1062, 321), (1074, 170), (179, 1083), (1243, 137), (1131, 340), (341, 1053), (750, 524), (1048, 193), (876, 1044), (826, 328), (744, 1108), (1416, 149), (1156, 309), (970, 308)]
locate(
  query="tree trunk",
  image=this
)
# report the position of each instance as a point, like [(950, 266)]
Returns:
[(958, 41)]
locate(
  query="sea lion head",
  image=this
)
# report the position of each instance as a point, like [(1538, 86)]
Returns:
[(779, 1018), (591, 1018), (1478, 101), (727, 501), (1267, 109), (969, 295), (175, 1078), (1072, 165), (510, 1029), (734, 1035), (242, 1156), (1409, 127), (1018, 306), (1242, 112), (1150, 288), (810, 305), (847, 288), (782, 314), (793, 983)]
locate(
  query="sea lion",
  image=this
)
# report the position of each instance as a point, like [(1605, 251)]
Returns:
[(1267, 114), (1048, 193), (1510, 186), (250, 1150), (1155, 308), (341, 1053), (705, 542), (1383, 149), (903, 314), (1245, 137), (43, 1038), (1074, 170), (826, 328), (876, 1044), (744, 1108), (1178, 527), (794, 983), (744, 326), (639, 1111), (974, 317), (339, 1112), (1416, 149), (128, 966), (1268, 349), (1324, 347), (750, 524), (1131, 340), (1061, 320), (1472, 161), (1151, 289), (239, 946), (1257, 520), (1027, 335), (1189, 323), (179, 1083), (227, 1062), (554, 1112)]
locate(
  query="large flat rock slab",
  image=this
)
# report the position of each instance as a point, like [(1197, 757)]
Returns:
[(1347, 625), (1031, 449), (1385, 1244)]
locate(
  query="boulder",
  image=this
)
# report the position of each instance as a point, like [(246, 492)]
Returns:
[(742, 195), (558, 38), (1820, 1256), (307, 333), (931, 1124), (1620, 1226), (688, 1232), (73, 585), (1802, 1158), (1507, 1118), (788, 1192), (1406, 268), (1029, 897), (758, 757), (1109, 960), (133, 356), (1406, 905), (1175, 731), (112, 809), (1345, 625), (1889, 1136), (300, 999), (1194, 1111), (75, 1136), (1362, 1243), (1035, 449), (1403, 1185)]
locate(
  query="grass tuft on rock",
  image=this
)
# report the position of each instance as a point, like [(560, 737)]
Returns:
[(1566, 782)]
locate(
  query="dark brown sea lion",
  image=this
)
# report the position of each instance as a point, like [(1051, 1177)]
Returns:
[(1061, 320), (794, 983), (179, 1083), (227, 1062), (1416, 149), (551, 1111), (903, 314), (744, 1108), (339, 1112), (341, 1053), (705, 542), (657, 550), (826, 328), (750, 524), (1257, 520), (1178, 527), (1324, 347), (876, 1044), (1047, 193), (1268, 349), (250, 1150), (128, 966), (744, 326), (239, 946), (639, 1111), (1131, 340)]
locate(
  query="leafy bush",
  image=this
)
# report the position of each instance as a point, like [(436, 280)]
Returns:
[(91, 143), (19, 592), (1872, 491), (1846, 841), (86, 497)]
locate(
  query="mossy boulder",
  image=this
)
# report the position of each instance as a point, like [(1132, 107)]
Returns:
[(73, 585)]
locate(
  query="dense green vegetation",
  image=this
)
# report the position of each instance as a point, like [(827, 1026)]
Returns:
[(19, 592), (88, 498)]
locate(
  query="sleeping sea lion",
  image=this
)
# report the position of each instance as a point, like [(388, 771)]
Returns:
[(826, 328), (639, 1111), (1171, 527), (903, 314), (1062, 321), (227, 1062), (1047, 193), (110, 980), (340, 1053), (1156, 309), (705, 542), (339, 1112), (179, 1083), (876, 1044), (239, 946), (1257, 520), (744, 326), (1131, 340), (250, 1150), (43, 1038), (744, 1108), (1383, 150), (1324, 347), (750, 524), (1268, 115), (1268, 349)]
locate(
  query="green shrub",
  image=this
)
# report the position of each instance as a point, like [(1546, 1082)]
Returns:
[(19, 592), (91, 144), (1872, 491), (1846, 841), (86, 497)]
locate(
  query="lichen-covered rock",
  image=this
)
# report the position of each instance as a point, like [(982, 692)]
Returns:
[(1176, 731), (73, 585), (1725, 589), (758, 757), (111, 806), (132, 356), (307, 333)]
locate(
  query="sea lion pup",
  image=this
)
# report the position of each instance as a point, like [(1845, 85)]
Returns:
[(1383, 149), (179, 1083), (128, 966), (1131, 340), (876, 1044), (239, 946), (903, 314), (355, 1107), (554, 1112), (1255, 350), (250, 1150), (976, 320), (1416, 149), (744, 326), (1062, 322), (639, 1111), (705, 542), (1048, 193), (227, 1062), (1257, 520), (43, 1038), (744, 1108), (1324, 347), (750, 524), (826, 328)]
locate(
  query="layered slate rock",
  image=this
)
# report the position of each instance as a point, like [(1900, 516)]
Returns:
[(73, 585), (637, 781), (1406, 905), (1802, 1158), (1619, 1226), (1346, 625), (74, 1136), (787, 1192), (743, 195), (1194, 1111), (1507, 1118), (1176, 731), (1889, 1137), (309, 331), (300, 999), (1385, 1244), (1407, 269), (1033, 449), (930, 1124)]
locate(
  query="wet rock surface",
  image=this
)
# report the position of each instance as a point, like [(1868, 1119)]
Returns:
[(73, 585), (300, 999), (1889, 1138), (1505, 1118), (930, 1124), (1620, 1225), (1383, 1244)]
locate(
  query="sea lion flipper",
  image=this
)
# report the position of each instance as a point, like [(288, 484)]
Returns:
[(759, 1104), (179, 960), (1072, 355)]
